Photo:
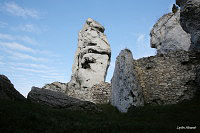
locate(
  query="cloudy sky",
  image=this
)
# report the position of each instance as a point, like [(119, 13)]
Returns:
[(38, 38)]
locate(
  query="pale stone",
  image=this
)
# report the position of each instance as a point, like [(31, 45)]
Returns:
[(168, 35), (56, 86), (91, 62), (126, 91)]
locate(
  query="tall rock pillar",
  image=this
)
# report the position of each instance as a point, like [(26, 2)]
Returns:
[(126, 90), (91, 62)]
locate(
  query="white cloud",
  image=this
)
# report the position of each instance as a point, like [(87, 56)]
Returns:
[(19, 11), (46, 74), (38, 66), (143, 45), (1, 62), (1, 57), (46, 52), (25, 39), (3, 24), (20, 47), (21, 56), (16, 46), (28, 28), (141, 39), (28, 70), (6, 37)]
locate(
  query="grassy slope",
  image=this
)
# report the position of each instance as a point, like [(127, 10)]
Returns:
[(27, 117)]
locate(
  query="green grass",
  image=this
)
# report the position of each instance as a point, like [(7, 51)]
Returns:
[(25, 117)]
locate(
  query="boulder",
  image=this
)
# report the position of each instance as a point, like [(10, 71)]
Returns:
[(190, 20), (59, 100), (126, 91), (7, 90), (168, 35), (92, 59)]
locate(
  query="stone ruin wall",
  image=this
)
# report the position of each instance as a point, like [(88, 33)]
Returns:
[(168, 78)]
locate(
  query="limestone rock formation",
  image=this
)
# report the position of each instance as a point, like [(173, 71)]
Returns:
[(168, 35), (56, 86), (168, 78), (59, 100), (126, 91), (190, 20), (91, 61), (7, 90)]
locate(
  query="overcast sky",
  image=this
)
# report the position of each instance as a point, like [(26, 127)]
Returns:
[(38, 38)]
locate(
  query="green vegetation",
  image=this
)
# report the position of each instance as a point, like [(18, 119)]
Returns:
[(26, 117)]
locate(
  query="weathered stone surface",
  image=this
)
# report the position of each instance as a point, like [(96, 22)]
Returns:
[(56, 86), (101, 93), (168, 35), (126, 91), (168, 78), (190, 20), (7, 90), (91, 61), (59, 100)]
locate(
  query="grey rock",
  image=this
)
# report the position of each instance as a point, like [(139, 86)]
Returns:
[(126, 91), (91, 61), (168, 35), (98, 93), (60, 100), (56, 86), (7, 90), (101, 93), (190, 20), (169, 78)]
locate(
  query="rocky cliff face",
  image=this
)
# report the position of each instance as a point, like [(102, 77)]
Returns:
[(126, 90), (91, 61), (7, 90), (168, 35), (190, 20)]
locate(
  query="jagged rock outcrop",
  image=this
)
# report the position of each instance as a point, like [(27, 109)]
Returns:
[(7, 90), (190, 20), (59, 100), (168, 35), (126, 90), (168, 78), (91, 61), (56, 86)]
